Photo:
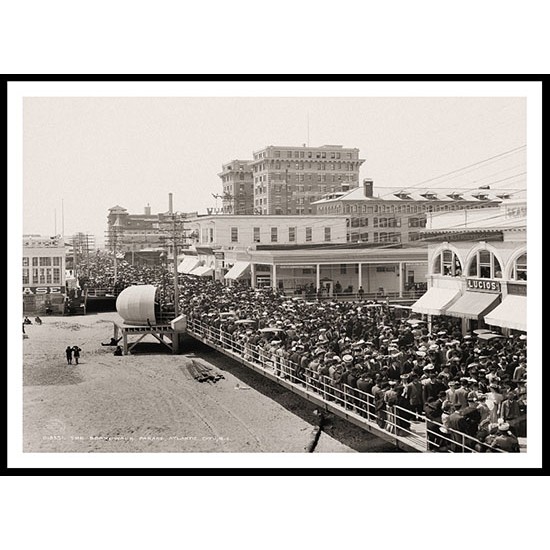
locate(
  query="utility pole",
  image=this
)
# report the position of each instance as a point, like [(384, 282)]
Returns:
[(114, 254), (112, 243), (74, 257), (175, 230), (176, 282)]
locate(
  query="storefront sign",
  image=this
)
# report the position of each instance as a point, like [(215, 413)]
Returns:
[(28, 290), (486, 285)]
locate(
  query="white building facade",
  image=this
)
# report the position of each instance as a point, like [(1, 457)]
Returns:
[(477, 268), (43, 274), (300, 255)]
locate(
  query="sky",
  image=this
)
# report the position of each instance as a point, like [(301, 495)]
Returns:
[(83, 155)]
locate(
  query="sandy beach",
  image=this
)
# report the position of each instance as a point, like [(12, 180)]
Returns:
[(150, 402)]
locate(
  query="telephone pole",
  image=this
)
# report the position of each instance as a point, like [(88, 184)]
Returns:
[(176, 282), (175, 232), (112, 238)]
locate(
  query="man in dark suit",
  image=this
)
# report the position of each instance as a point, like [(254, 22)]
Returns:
[(469, 423), (433, 409), (461, 393)]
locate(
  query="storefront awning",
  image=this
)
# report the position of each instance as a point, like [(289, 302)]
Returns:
[(188, 264), (473, 305), (202, 271), (511, 313), (435, 300), (237, 270)]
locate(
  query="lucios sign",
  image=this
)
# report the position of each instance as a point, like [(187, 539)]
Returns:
[(486, 285)]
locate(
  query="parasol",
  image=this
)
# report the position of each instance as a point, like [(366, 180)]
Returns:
[(415, 321), (482, 331), (489, 336)]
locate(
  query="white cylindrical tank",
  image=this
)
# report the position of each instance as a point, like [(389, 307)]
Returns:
[(135, 304)]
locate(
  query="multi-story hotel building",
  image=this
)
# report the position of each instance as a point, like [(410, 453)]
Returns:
[(398, 215), (136, 235), (43, 274), (288, 179), (238, 187)]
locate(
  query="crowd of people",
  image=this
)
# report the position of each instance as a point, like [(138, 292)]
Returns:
[(99, 273), (456, 383)]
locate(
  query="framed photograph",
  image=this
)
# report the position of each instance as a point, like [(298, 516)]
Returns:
[(232, 275)]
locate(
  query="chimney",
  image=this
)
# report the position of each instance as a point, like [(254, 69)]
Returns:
[(170, 205), (147, 210), (368, 185)]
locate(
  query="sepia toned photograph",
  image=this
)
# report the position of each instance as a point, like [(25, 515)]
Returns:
[(256, 270)]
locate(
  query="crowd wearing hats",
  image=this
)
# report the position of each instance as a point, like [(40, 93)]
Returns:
[(98, 272), (457, 384)]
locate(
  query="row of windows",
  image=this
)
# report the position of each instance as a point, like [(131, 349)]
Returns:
[(230, 177), (338, 208), (305, 154), (385, 222), (41, 276), (483, 265), (300, 188), (42, 261), (297, 178), (308, 165), (380, 237), (274, 234)]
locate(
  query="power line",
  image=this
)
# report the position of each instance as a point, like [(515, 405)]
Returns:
[(484, 161)]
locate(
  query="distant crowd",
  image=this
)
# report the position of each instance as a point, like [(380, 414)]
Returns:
[(99, 273)]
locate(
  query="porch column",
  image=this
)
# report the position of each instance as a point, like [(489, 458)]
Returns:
[(317, 278), (359, 275), (401, 279), (253, 275), (274, 276)]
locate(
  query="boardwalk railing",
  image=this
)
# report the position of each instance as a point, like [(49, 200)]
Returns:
[(403, 427)]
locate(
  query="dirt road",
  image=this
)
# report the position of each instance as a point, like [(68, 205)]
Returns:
[(151, 403)]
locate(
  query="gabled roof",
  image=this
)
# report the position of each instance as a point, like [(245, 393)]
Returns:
[(422, 195)]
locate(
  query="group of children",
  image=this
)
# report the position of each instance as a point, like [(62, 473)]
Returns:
[(72, 353)]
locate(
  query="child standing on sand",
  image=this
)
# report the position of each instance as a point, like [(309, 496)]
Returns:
[(76, 354)]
